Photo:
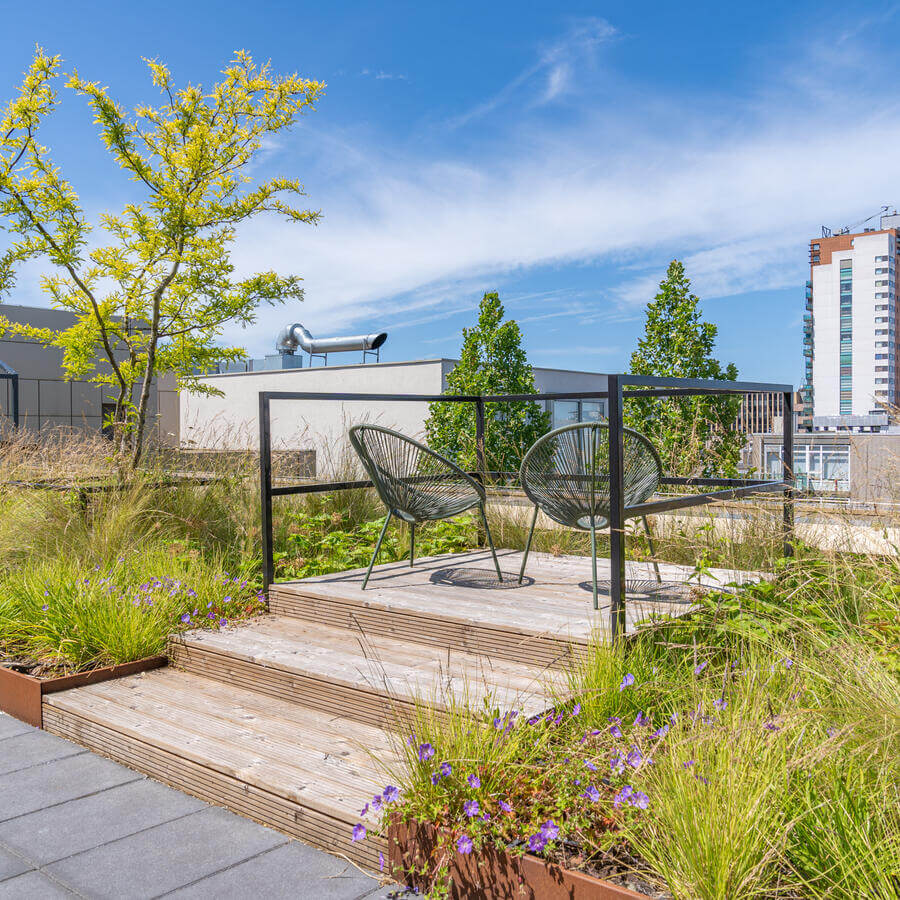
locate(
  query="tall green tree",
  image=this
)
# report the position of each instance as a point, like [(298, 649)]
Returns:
[(492, 361), (695, 435), (152, 293)]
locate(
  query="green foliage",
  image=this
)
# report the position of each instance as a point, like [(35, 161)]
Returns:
[(154, 299), (492, 361), (694, 435)]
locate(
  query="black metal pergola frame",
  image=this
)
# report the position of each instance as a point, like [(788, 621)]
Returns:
[(639, 386), (12, 376)]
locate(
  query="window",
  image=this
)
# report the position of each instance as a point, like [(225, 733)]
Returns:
[(815, 246), (569, 412)]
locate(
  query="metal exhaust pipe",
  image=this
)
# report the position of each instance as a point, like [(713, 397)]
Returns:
[(293, 336)]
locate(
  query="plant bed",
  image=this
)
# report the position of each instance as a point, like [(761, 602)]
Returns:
[(493, 873), (21, 694)]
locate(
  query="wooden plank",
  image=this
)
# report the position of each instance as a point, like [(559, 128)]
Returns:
[(328, 832)]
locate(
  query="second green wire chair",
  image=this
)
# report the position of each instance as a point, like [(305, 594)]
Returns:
[(566, 474), (415, 483)]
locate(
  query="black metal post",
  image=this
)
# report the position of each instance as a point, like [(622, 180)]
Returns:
[(265, 491), (787, 469), (14, 401), (480, 458), (616, 511)]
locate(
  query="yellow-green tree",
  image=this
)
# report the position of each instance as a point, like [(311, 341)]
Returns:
[(154, 292)]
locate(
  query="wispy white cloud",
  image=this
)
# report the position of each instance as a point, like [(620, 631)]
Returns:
[(734, 190)]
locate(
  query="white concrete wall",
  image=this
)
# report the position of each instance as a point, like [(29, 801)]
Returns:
[(231, 421)]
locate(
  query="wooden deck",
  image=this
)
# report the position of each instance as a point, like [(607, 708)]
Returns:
[(294, 719)]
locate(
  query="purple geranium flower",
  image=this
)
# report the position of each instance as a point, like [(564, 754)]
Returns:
[(590, 765), (223, 622), (426, 751), (505, 807), (380, 861), (186, 618), (359, 832), (721, 703), (615, 731), (550, 830), (474, 781), (537, 842), (446, 769), (576, 709), (592, 794), (698, 669), (627, 681), (391, 794), (639, 800), (623, 795), (464, 844), (641, 720), (471, 808), (634, 758), (661, 732)]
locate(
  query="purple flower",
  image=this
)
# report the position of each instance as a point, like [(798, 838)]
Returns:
[(550, 830), (474, 781), (505, 807), (615, 731), (627, 681), (391, 794), (426, 751), (223, 622), (359, 832), (446, 769), (721, 703), (623, 795), (211, 615), (576, 709), (639, 800), (464, 844), (831, 731), (788, 663), (45, 607), (617, 764), (688, 763), (537, 842), (701, 779), (661, 732), (186, 618), (771, 726), (590, 765), (700, 668), (634, 758), (226, 599), (376, 803), (641, 720), (471, 808), (435, 777), (592, 794), (380, 861), (364, 810)]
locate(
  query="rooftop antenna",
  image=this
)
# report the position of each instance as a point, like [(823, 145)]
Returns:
[(846, 229)]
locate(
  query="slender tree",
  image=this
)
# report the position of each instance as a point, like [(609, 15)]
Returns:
[(153, 295), (492, 361), (695, 435)]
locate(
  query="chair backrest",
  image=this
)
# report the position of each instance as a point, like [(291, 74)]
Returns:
[(566, 472), (409, 476)]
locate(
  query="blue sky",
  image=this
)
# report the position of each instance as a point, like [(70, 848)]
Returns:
[(561, 153)]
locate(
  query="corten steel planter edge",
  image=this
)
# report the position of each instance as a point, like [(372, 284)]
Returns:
[(21, 695), (492, 874)]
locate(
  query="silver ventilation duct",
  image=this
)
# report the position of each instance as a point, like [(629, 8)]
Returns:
[(293, 336)]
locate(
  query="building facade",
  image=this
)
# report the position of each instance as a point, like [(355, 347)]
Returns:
[(47, 399), (850, 329)]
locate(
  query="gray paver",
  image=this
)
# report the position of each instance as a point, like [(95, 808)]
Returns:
[(32, 886), (166, 857), (11, 864), (10, 726), (54, 782), (51, 834), (286, 873), (32, 749)]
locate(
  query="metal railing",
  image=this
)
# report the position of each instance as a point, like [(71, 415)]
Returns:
[(641, 386)]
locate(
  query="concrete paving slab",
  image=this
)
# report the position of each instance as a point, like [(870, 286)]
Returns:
[(33, 748), (32, 886), (11, 864), (9, 727), (285, 873), (51, 834), (55, 782), (166, 857)]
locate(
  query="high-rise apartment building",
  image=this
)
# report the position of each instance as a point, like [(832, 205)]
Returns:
[(850, 329)]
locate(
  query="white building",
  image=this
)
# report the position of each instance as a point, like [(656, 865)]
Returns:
[(852, 333), (231, 421)]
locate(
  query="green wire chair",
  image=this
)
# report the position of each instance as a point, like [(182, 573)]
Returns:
[(415, 483), (566, 474)]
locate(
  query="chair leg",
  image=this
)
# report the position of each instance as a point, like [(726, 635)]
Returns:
[(377, 548), (412, 542), (528, 543), (652, 551), (594, 563), (487, 531)]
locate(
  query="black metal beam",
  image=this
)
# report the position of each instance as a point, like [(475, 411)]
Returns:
[(265, 492), (658, 506), (617, 621)]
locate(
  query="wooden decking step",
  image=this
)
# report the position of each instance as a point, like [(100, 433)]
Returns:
[(372, 678), (303, 771)]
